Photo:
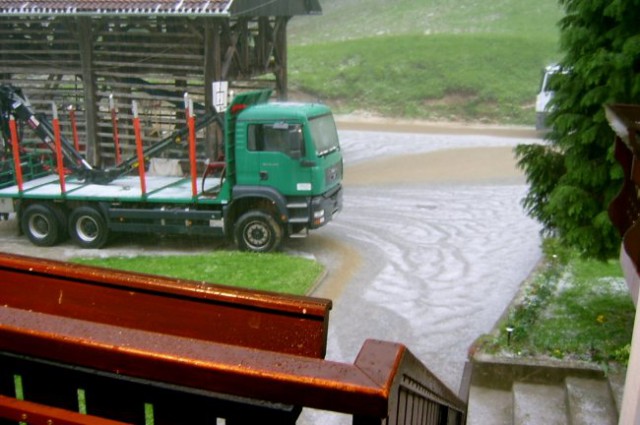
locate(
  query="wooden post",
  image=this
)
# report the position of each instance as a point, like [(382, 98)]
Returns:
[(280, 54), (15, 148), (212, 72), (139, 150), (114, 125), (85, 40)]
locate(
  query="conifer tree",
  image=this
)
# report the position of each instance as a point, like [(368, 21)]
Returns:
[(573, 176)]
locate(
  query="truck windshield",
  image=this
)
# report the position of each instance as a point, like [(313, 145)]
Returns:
[(324, 134)]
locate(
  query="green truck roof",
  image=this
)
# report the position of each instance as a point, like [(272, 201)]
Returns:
[(283, 110)]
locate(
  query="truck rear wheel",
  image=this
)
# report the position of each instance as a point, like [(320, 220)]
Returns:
[(257, 231), (87, 227), (43, 224)]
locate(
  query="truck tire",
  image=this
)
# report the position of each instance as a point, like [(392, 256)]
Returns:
[(88, 228), (43, 224), (257, 231)]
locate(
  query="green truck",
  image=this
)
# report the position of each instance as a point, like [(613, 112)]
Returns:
[(280, 176)]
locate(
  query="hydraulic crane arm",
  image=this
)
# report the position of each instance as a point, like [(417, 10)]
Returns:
[(14, 103)]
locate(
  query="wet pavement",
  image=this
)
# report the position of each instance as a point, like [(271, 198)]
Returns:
[(430, 260), (438, 260)]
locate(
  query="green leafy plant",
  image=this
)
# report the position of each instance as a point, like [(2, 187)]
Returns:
[(574, 308)]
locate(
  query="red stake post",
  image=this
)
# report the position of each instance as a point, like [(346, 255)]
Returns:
[(114, 125), (136, 129), (15, 148), (58, 144), (191, 123)]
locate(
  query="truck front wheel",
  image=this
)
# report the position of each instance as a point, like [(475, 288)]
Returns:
[(257, 231), (43, 224), (88, 228)]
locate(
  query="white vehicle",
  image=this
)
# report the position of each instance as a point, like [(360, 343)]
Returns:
[(544, 96)]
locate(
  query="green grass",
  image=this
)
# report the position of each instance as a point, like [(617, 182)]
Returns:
[(268, 272), (591, 318), (464, 60), (447, 77), (578, 310), (354, 19)]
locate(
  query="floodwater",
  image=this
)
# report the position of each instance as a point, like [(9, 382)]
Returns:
[(429, 259)]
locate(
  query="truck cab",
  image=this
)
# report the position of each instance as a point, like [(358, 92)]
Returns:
[(292, 147), (288, 165)]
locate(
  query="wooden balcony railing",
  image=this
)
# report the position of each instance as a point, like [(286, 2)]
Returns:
[(624, 212), (149, 350)]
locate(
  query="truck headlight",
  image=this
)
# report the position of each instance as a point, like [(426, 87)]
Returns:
[(318, 217)]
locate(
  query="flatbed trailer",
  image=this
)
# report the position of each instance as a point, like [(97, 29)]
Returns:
[(164, 208), (161, 189)]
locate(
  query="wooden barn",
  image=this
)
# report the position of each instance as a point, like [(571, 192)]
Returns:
[(79, 53)]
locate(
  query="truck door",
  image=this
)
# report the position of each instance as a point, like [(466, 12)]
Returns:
[(278, 150)]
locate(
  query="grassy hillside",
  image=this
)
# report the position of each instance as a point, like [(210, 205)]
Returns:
[(464, 60)]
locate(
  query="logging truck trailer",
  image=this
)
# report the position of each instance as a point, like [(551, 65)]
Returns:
[(280, 176)]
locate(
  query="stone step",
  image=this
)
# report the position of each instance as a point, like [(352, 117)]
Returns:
[(590, 402), (577, 401), (617, 377), (535, 404), (532, 392), (489, 406)]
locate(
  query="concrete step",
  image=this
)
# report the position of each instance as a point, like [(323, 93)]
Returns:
[(578, 401), (535, 404), (542, 392), (489, 406), (617, 377), (589, 402)]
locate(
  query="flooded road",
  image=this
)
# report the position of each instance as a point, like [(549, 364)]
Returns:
[(429, 250), (430, 259)]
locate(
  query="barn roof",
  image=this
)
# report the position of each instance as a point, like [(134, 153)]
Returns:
[(154, 7), (71, 7)]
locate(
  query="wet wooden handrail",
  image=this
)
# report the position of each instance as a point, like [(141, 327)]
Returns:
[(624, 209), (171, 306), (625, 121), (624, 212), (58, 347), (371, 387)]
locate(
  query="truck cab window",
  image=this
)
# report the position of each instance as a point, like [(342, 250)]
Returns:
[(278, 137)]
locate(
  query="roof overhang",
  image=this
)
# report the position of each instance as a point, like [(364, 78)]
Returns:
[(208, 8), (115, 7)]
